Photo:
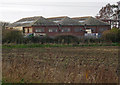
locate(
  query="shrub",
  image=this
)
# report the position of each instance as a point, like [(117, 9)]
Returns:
[(36, 39), (11, 36), (32, 39), (66, 39), (112, 35), (47, 40)]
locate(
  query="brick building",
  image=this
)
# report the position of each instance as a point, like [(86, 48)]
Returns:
[(55, 26)]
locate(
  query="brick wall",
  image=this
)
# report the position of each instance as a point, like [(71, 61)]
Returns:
[(97, 29)]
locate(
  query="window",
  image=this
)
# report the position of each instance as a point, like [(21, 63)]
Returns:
[(26, 30), (78, 29), (53, 30), (23, 22), (56, 21), (92, 29), (101, 29), (65, 30), (30, 30), (39, 30), (88, 30), (82, 21)]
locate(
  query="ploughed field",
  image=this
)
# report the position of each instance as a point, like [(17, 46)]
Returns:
[(60, 65)]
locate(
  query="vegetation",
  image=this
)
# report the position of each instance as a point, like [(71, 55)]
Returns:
[(34, 60), (66, 39), (16, 37), (57, 45), (11, 36), (112, 35), (108, 11), (4, 24), (60, 65)]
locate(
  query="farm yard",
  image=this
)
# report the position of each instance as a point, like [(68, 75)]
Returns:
[(60, 64)]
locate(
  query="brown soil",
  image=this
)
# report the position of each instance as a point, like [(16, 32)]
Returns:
[(60, 65)]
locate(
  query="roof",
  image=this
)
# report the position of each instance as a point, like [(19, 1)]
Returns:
[(63, 20), (89, 20), (94, 21), (31, 21), (58, 18), (43, 21), (85, 17)]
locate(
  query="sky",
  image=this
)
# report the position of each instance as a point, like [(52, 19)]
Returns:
[(12, 10)]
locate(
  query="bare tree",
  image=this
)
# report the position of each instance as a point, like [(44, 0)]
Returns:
[(108, 12), (3, 24)]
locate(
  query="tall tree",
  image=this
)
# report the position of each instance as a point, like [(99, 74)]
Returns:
[(108, 12), (3, 24)]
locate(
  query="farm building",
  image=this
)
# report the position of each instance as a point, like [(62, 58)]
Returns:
[(55, 26)]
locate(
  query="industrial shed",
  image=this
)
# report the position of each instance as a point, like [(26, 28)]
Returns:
[(56, 26)]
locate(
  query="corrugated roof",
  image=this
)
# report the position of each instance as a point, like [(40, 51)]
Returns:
[(69, 21), (43, 21), (25, 21), (30, 21), (89, 20), (85, 17), (94, 21), (53, 19), (64, 20), (57, 17)]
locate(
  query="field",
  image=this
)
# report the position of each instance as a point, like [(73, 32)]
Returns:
[(60, 64)]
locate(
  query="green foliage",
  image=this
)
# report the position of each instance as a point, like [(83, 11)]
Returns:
[(36, 39), (16, 37), (57, 45), (22, 81), (11, 36), (66, 39), (90, 40), (112, 35)]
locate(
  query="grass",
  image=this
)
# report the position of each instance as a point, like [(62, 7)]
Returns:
[(56, 45)]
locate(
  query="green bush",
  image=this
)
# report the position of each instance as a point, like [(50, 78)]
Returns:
[(66, 39), (112, 35), (47, 40), (31, 40), (15, 36), (12, 36), (40, 40)]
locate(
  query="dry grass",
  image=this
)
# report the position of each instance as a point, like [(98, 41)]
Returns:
[(60, 65)]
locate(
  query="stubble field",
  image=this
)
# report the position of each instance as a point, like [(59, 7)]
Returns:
[(60, 65)]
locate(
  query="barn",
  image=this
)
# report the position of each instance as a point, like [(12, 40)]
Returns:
[(56, 26)]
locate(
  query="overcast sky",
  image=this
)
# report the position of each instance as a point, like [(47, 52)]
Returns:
[(12, 10)]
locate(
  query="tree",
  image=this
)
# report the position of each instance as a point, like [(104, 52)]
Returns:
[(108, 12), (3, 24)]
